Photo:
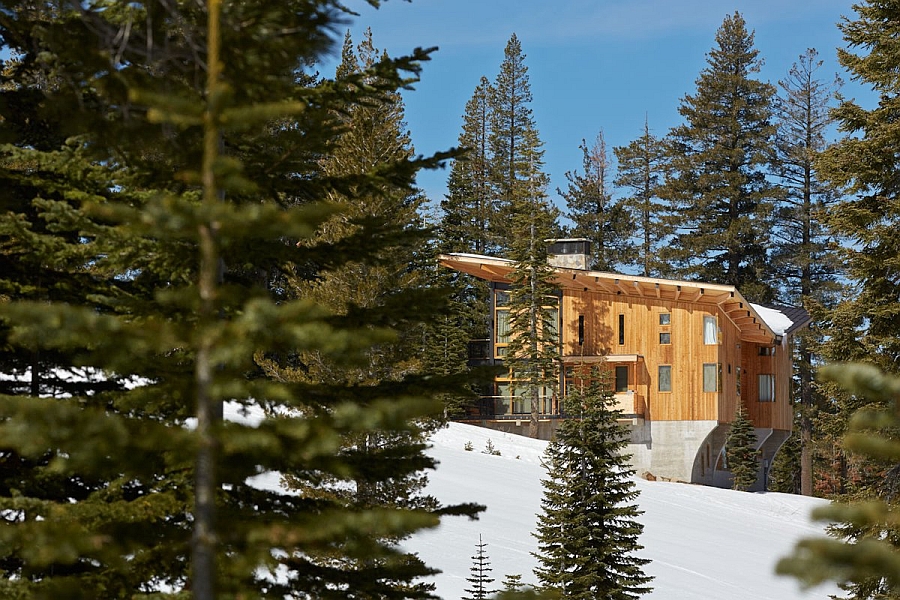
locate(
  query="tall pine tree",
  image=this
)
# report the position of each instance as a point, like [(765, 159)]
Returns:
[(722, 196), (805, 253), (467, 224), (596, 216), (642, 171), (515, 145), (588, 529), (170, 217)]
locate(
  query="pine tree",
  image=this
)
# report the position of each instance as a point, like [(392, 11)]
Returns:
[(785, 474), (804, 254), (512, 582), (479, 575), (741, 452), (169, 219), (863, 557), (642, 165), (865, 164), (534, 347), (467, 225), (595, 214), (468, 210), (719, 156), (865, 326), (514, 144), (588, 530)]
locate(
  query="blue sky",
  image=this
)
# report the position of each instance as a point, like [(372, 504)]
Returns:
[(593, 64)]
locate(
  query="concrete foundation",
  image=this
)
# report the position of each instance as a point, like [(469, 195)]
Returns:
[(688, 451)]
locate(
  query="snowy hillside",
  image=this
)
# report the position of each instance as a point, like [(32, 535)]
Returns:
[(705, 543)]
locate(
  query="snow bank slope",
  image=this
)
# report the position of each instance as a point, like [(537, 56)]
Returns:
[(705, 543)]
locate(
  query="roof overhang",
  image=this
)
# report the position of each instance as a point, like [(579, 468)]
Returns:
[(733, 305)]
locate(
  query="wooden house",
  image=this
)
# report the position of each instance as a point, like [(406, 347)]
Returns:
[(682, 354)]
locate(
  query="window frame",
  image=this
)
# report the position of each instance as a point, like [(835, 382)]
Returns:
[(768, 386), (711, 321), (659, 378), (716, 369)]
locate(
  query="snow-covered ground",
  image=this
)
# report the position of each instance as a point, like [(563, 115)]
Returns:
[(704, 543)]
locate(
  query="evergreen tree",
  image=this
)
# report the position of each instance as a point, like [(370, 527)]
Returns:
[(514, 144), (785, 475), (642, 165), (467, 225), (595, 214), (588, 530), (741, 452), (863, 559), (479, 575), (512, 582), (804, 255), (865, 164), (534, 347), (721, 194), (468, 210), (168, 221)]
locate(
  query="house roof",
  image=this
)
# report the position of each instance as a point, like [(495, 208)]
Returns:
[(756, 323)]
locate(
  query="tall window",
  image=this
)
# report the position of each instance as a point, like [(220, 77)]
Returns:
[(501, 319), (665, 378), (766, 388), (552, 324), (738, 380), (712, 377), (710, 330), (621, 379), (621, 330)]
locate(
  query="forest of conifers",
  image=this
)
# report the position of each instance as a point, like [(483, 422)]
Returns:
[(194, 221)]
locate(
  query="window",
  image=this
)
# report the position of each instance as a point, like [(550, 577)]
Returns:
[(581, 330), (712, 377), (621, 330), (551, 324), (502, 341), (737, 374), (665, 378), (710, 331), (767, 351), (766, 388), (665, 337), (665, 319), (621, 379)]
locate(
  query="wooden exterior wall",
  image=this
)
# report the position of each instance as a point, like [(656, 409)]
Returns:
[(686, 353)]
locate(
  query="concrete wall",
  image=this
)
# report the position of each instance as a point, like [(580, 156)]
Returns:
[(671, 449)]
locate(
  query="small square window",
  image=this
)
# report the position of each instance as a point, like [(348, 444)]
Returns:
[(665, 337), (665, 319)]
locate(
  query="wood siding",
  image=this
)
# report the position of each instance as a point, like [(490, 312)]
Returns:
[(686, 354)]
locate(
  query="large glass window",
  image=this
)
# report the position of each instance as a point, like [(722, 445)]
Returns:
[(710, 330), (766, 388), (711, 377), (502, 320), (622, 379), (665, 378)]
